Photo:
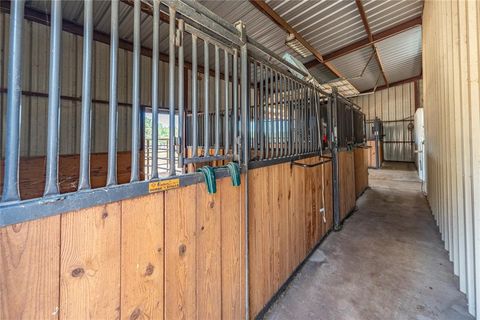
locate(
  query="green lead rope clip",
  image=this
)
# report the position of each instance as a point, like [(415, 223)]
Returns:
[(210, 180)]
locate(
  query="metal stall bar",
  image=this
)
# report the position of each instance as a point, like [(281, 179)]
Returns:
[(113, 103), (290, 115), (136, 92), (181, 90), (262, 112), (84, 177), (206, 111), (217, 101), (255, 107), (194, 97), (276, 117), (235, 105), (11, 190), (171, 91), (155, 54), (51, 177), (226, 138)]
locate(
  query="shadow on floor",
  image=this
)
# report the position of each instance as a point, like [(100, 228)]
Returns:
[(388, 262)]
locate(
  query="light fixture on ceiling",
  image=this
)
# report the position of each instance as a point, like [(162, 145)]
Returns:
[(297, 46)]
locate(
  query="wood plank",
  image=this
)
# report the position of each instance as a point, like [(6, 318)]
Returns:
[(29, 277), (209, 272), (90, 263), (142, 257), (232, 249), (255, 241), (180, 253)]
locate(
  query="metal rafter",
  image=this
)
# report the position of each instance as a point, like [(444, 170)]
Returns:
[(363, 15), (282, 23), (366, 42)]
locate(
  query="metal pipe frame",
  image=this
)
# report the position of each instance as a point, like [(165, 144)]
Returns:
[(155, 53), (181, 93), (135, 174), (11, 190), (195, 131), (206, 107), (113, 103), (51, 176), (171, 91), (84, 177)]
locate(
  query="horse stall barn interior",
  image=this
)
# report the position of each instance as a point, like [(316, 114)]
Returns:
[(184, 159)]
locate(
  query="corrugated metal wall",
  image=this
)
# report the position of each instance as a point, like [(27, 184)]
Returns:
[(452, 123), (396, 107)]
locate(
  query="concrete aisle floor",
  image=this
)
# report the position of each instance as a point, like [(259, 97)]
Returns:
[(388, 262)]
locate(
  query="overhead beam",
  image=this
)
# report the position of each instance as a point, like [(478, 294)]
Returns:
[(366, 42), (282, 23), (363, 15), (393, 84)]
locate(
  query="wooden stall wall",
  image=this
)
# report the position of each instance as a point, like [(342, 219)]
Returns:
[(346, 165), (172, 255), (361, 169), (285, 223), (32, 172)]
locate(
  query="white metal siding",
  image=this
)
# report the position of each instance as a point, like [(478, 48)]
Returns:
[(452, 123)]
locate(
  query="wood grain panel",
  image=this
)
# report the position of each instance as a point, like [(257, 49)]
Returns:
[(142, 258), (347, 183), (180, 253), (285, 223), (361, 170), (232, 244), (90, 263), (209, 272), (29, 276)]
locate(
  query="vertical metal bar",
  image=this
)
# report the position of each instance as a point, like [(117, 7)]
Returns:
[(282, 114), (136, 92), (217, 101), (289, 123), (155, 54), (275, 116), (245, 103), (181, 93), (271, 114), (195, 132), (305, 122), (10, 186), (84, 178), (206, 107), (51, 177), (255, 107), (262, 111), (171, 91), (113, 104), (226, 137), (297, 117), (235, 104)]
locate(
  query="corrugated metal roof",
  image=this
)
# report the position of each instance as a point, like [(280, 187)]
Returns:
[(327, 25), (383, 14), (402, 55), (352, 65)]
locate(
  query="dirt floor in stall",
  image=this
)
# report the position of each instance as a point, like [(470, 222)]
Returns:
[(388, 261)]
